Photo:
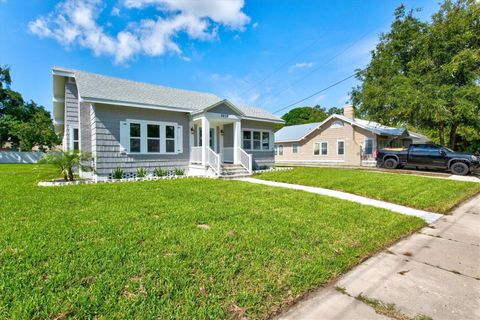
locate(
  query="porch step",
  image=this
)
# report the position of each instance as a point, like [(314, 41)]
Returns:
[(233, 171)]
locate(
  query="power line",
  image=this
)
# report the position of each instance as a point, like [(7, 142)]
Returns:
[(320, 91), (285, 63), (322, 65)]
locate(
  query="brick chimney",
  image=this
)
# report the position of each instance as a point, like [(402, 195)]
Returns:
[(349, 112)]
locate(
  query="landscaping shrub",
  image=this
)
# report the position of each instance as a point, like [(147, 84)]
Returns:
[(141, 173), (117, 173), (159, 172)]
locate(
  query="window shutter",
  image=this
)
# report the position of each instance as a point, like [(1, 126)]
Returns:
[(124, 135), (179, 139), (271, 136)]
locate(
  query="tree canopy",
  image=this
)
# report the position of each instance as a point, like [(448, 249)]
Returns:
[(426, 74), (24, 124), (303, 115)]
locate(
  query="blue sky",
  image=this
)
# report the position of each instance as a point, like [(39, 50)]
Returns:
[(260, 53)]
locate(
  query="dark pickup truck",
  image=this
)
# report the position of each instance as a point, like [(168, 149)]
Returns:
[(430, 156)]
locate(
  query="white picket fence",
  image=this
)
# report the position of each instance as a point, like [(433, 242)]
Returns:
[(20, 157)]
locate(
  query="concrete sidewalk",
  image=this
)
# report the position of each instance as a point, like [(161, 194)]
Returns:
[(429, 217), (434, 273)]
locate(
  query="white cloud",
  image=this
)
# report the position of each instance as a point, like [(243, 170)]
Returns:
[(236, 37), (115, 11), (320, 98), (255, 25), (301, 65), (76, 22)]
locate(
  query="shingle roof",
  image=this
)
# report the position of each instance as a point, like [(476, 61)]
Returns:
[(103, 88), (297, 132)]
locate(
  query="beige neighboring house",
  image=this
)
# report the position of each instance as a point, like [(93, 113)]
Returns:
[(339, 140)]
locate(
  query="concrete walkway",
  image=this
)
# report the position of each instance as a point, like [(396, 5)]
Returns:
[(434, 273), (429, 217)]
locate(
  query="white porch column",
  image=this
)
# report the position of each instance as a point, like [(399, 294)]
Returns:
[(205, 139), (237, 132)]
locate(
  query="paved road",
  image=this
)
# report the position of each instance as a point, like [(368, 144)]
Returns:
[(435, 273)]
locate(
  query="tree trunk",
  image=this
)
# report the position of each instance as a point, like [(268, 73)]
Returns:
[(70, 174), (453, 136), (441, 133)]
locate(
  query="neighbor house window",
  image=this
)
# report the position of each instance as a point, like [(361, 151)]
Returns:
[(75, 140), (294, 148), (280, 149), (256, 140), (368, 147), (316, 149), (153, 138), (135, 137), (324, 148), (340, 147), (169, 139)]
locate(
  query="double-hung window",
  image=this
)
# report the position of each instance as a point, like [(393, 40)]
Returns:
[(144, 137), (324, 148), (153, 138), (256, 140), (294, 148), (320, 148), (340, 147), (135, 138), (279, 150), (368, 147), (74, 139)]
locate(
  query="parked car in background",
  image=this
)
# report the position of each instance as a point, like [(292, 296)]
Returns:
[(430, 156)]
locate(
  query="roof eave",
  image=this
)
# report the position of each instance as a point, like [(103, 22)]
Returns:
[(133, 104)]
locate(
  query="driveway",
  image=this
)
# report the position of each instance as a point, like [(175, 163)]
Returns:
[(434, 273)]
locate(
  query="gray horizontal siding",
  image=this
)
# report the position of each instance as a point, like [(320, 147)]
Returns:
[(85, 128), (260, 158), (71, 111), (107, 139)]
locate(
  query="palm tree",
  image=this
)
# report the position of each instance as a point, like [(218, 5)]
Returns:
[(67, 162)]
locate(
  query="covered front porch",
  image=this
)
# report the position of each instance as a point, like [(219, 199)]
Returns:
[(215, 140)]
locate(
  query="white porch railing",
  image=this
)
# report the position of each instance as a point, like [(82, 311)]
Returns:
[(227, 154), (196, 155), (213, 160), (245, 159)]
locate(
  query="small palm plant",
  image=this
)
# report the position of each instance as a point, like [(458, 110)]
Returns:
[(117, 173), (67, 162), (141, 173)]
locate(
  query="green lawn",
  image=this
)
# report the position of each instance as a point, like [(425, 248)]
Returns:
[(136, 251), (431, 194)]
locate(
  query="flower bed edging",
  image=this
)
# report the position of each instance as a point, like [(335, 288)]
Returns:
[(273, 169), (79, 182)]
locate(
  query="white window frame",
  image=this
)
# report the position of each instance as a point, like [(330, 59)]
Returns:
[(341, 154), (337, 124), (319, 143), (279, 150), (270, 144), (144, 138), (295, 148), (321, 148), (365, 144), (71, 141)]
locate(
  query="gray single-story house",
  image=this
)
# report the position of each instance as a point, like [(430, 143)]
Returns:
[(130, 125)]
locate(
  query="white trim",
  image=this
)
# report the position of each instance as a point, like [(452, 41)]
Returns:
[(63, 73), (341, 140), (263, 119), (313, 161), (144, 138), (270, 144), (132, 104), (216, 104)]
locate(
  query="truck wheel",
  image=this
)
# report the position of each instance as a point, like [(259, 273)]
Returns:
[(390, 163), (460, 168)]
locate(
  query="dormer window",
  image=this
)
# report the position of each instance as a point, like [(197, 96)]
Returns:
[(337, 124)]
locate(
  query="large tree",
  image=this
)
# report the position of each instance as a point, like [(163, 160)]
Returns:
[(426, 75), (24, 125), (303, 115)]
